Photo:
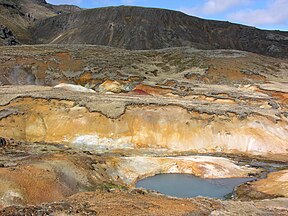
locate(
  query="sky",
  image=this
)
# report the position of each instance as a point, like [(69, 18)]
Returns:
[(264, 14)]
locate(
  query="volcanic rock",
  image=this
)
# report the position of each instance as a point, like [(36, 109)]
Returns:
[(72, 87), (7, 37), (275, 185), (139, 28), (19, 16), (190, 108), (110, 86)]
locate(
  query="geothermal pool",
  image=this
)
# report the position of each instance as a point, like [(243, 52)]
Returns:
[(187, 186)]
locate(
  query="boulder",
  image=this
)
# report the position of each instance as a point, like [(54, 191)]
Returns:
[(8, 36), (110, 86), (72, 87)]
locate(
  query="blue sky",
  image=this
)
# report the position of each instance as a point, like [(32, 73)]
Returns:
[(264, 14)]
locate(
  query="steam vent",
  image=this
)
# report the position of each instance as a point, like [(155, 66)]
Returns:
[(140, 111)]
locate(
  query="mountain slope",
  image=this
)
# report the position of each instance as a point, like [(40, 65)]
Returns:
[(134, 28), (148, 28), (18, 16)]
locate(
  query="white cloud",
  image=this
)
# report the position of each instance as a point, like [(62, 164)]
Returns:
[(218, 6), (209, 7), (276, 12)]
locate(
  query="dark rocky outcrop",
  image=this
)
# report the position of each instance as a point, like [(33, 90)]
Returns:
[(139, 28), (3, 142), (7, 37), (8, 3)]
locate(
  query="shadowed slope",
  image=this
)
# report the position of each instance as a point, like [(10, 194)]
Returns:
[(18, 16), (148, 28)]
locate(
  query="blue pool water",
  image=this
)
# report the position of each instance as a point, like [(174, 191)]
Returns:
[(188, 186)]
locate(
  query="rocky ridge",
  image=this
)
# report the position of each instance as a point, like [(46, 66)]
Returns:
[(132, 28), (19, 16), (137, 28)]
